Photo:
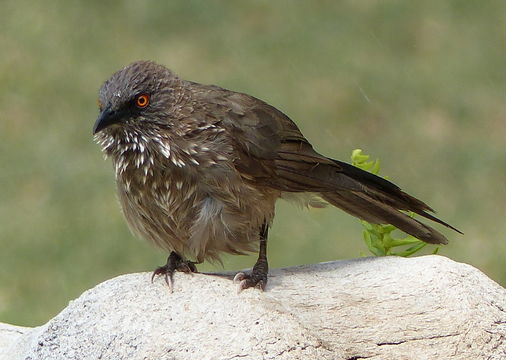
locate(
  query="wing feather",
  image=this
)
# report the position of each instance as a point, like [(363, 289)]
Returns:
[(271, 151)]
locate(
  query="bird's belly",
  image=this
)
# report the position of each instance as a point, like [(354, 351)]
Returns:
[(194, 220)]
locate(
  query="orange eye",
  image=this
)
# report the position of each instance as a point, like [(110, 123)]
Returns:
[(141, 101)]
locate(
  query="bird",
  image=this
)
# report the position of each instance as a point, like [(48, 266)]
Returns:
[(199, 169)]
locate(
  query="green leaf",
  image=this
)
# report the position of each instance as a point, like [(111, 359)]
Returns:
[(410, 251), (377, 237), (405, 241)]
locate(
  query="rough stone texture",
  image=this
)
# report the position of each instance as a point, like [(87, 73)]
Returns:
[(9, 334), (375, 308)]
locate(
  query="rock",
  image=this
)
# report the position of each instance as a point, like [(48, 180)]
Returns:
[(371, 308), (9, 334)]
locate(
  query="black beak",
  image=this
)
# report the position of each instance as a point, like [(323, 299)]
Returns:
[(106, 118)]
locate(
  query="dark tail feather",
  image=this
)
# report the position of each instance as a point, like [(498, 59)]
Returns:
[(358, 192), (439, 221), (383, 192), (365, 207)]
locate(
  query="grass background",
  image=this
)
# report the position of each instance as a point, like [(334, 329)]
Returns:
[(421, 85)]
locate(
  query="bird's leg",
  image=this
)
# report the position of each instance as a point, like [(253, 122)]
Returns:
[(258, 276), (174, 263)]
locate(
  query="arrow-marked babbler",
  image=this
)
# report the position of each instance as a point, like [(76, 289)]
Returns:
[(199, 169)]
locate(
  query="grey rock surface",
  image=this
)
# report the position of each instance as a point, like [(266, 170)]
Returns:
[(371, 308)]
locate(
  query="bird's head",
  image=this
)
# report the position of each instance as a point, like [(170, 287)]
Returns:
[(137, 95)]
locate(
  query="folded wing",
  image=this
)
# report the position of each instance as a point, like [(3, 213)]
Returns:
[(272, 151)]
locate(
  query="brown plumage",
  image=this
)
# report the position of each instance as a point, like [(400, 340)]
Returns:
[(199, 169)]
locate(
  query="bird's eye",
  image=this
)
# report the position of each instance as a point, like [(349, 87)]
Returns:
[(141, 101)]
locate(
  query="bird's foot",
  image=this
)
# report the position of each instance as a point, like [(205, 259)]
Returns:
[(256, 279), (258, 276), (174, 263)]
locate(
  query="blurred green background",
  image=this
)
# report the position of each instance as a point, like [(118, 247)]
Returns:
[(421, 85)]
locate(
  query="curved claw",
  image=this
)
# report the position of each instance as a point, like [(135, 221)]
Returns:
[(167, 275), (239, 277), (252, 280), (187, 267), (174, 263)]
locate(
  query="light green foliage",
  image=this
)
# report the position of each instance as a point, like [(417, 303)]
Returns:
[(378, 237), (362, 161)]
